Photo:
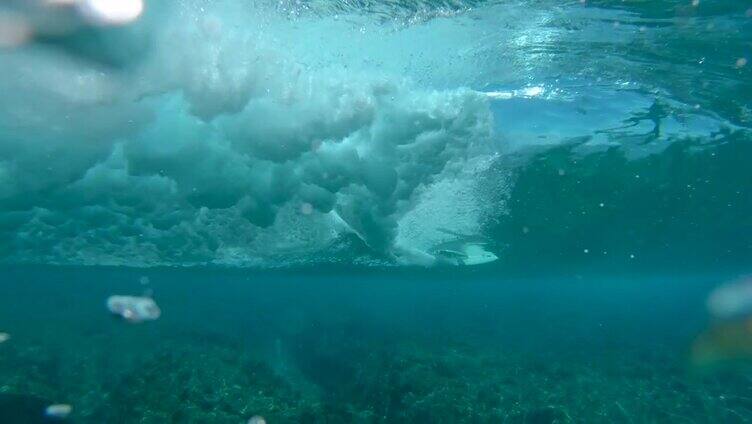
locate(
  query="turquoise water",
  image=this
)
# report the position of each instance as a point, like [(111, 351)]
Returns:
[(406, 211), (363, 346)]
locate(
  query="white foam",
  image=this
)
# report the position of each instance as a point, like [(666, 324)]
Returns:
[(224, 147)]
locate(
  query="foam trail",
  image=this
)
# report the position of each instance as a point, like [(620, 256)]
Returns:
[(527, 92)]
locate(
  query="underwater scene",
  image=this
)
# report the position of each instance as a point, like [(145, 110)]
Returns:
[(375, 211)]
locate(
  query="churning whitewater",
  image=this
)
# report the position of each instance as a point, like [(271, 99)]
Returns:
[(277, 133), (221, 145)]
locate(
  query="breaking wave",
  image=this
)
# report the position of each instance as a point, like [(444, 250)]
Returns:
[(270, 133), (216, 143)]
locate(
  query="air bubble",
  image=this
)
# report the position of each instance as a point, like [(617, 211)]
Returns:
[(59, 411)]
